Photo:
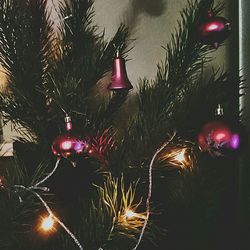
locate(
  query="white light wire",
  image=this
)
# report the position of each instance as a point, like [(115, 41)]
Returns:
[(36, 186), (51, 214), (150, 185)]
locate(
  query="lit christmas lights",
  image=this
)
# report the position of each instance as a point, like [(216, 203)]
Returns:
[(47, 224)]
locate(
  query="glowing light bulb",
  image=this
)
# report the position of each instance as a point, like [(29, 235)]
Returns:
[(47, 224), (180, 157), (130, 214)]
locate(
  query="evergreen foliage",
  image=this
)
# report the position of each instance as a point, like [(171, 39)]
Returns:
[(53, 69)]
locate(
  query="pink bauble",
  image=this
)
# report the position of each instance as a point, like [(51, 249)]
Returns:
[(214, 30), (68, 145), (219, 138)]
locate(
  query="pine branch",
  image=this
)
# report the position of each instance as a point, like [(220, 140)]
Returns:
[(26, 37), (41, 80), (83, 45)]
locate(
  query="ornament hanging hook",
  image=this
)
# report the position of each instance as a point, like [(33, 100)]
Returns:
[(118, 49), (219, 110)]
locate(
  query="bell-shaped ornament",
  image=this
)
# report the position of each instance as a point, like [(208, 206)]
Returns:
[(119, 79)]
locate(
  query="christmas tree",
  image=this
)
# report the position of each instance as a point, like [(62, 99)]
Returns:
[(98, 168)]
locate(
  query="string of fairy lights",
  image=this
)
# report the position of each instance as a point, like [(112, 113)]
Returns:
[(48, 222), (150, 185), (129, 216)]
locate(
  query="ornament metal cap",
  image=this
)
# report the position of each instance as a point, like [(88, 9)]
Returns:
[(219, 110), (68, 122), (210, 14), (119, 79), (67, 118), (216, 45)]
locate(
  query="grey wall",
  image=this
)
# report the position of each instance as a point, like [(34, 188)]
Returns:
[(152, 23)]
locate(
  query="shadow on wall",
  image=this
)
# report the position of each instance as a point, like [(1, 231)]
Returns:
[(152, 8)]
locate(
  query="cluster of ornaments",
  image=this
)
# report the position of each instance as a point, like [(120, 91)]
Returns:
[(221, 138), (213, 30), (216, 137), (69, 144)]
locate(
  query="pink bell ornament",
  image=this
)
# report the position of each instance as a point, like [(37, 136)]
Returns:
[(119, 79)]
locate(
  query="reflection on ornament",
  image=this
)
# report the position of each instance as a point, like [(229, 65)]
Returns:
[(66, 145), (91, 152), (222, 135), (212, 27), (235, 141), (47, 224)]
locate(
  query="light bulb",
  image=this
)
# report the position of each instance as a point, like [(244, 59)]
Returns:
[(130, 214), (47, 223), (181, 156)]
